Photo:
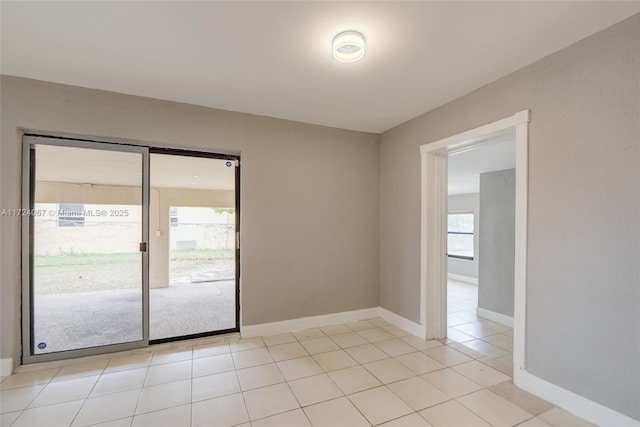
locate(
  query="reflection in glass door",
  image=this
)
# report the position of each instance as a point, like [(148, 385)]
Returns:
[(87, 223), (192, 249)]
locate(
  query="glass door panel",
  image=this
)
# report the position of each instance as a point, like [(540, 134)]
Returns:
[(193, 257), (86, 260)]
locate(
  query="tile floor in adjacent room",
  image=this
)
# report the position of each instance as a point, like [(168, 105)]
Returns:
[(356, 374)]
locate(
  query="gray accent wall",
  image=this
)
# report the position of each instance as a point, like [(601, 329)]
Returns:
[(310, 194), (583, 249), (497, 247), (469, 202)]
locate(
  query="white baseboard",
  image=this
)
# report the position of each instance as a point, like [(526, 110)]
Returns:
[(6, 367), (403, 323), (248, 331), (569, 401), (495, 317), (461, 278)]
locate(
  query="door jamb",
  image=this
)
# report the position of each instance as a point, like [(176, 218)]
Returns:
[(433, 245)]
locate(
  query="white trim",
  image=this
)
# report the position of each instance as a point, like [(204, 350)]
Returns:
[(248, 331), (402, 323), (576, 404), (6, 367), (461, 278), (503, 319), (432, 299)]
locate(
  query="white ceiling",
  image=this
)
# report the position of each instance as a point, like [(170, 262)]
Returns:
[(498, 152), (274, 58), (99, 167)]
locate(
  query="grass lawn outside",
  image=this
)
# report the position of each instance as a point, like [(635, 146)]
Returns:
[(70, 273)]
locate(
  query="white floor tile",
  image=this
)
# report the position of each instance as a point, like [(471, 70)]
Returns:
[(447, 356), (417, 393), (319, 345), (485, 348), (494, 409), (246, 344), (395, 331), (314, 389), (337, 412), (334, 360), (267, 401), (354, 379), (451, 382), (172, 417), (164, 396), (220, 412), (170, 356), (480, 373), (287, 351), (124, 363), (419, 343), (122, 422), (212, 349), (212, 365), (18, 398), (395, 347), (411, 420), (379, 405), (419, 363), (249, 358), (212, 386), (299, 368), (309, 334), (366, 353), (87, 369), (388, 370), (295, 418), (375, 335), (65, 391), (534, 422), (278, 339), (9, 417), (335, 330), (350, 339), (452, 414), (120, 381), (169, 372), (61, 414), (259, 376), (26, 379), (561, 418), (108, 407), (360, 326)]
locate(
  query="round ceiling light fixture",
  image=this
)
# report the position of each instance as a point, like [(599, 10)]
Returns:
[(348, 46)]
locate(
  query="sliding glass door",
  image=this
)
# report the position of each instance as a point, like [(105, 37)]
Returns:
[(193, 283), (85, 252), (123, 248)]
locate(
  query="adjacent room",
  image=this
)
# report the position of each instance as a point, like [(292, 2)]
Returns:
[(313, 213)]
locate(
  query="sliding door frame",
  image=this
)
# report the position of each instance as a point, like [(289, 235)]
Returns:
[(28, 193), (236, 163)]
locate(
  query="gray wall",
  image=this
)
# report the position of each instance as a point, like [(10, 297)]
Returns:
[(497, 247), (583, 276), (470, 203), (310, 194)]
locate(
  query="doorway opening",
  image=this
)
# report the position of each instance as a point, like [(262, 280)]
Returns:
[(434, 227), (480, 247)]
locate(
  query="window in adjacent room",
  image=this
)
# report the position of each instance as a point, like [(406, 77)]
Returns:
[(70, 215), (460, 235)]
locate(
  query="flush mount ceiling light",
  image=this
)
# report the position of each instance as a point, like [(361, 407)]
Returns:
[(348, 46)]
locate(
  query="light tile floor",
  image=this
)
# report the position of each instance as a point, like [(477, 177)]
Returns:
[(358, 374)]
